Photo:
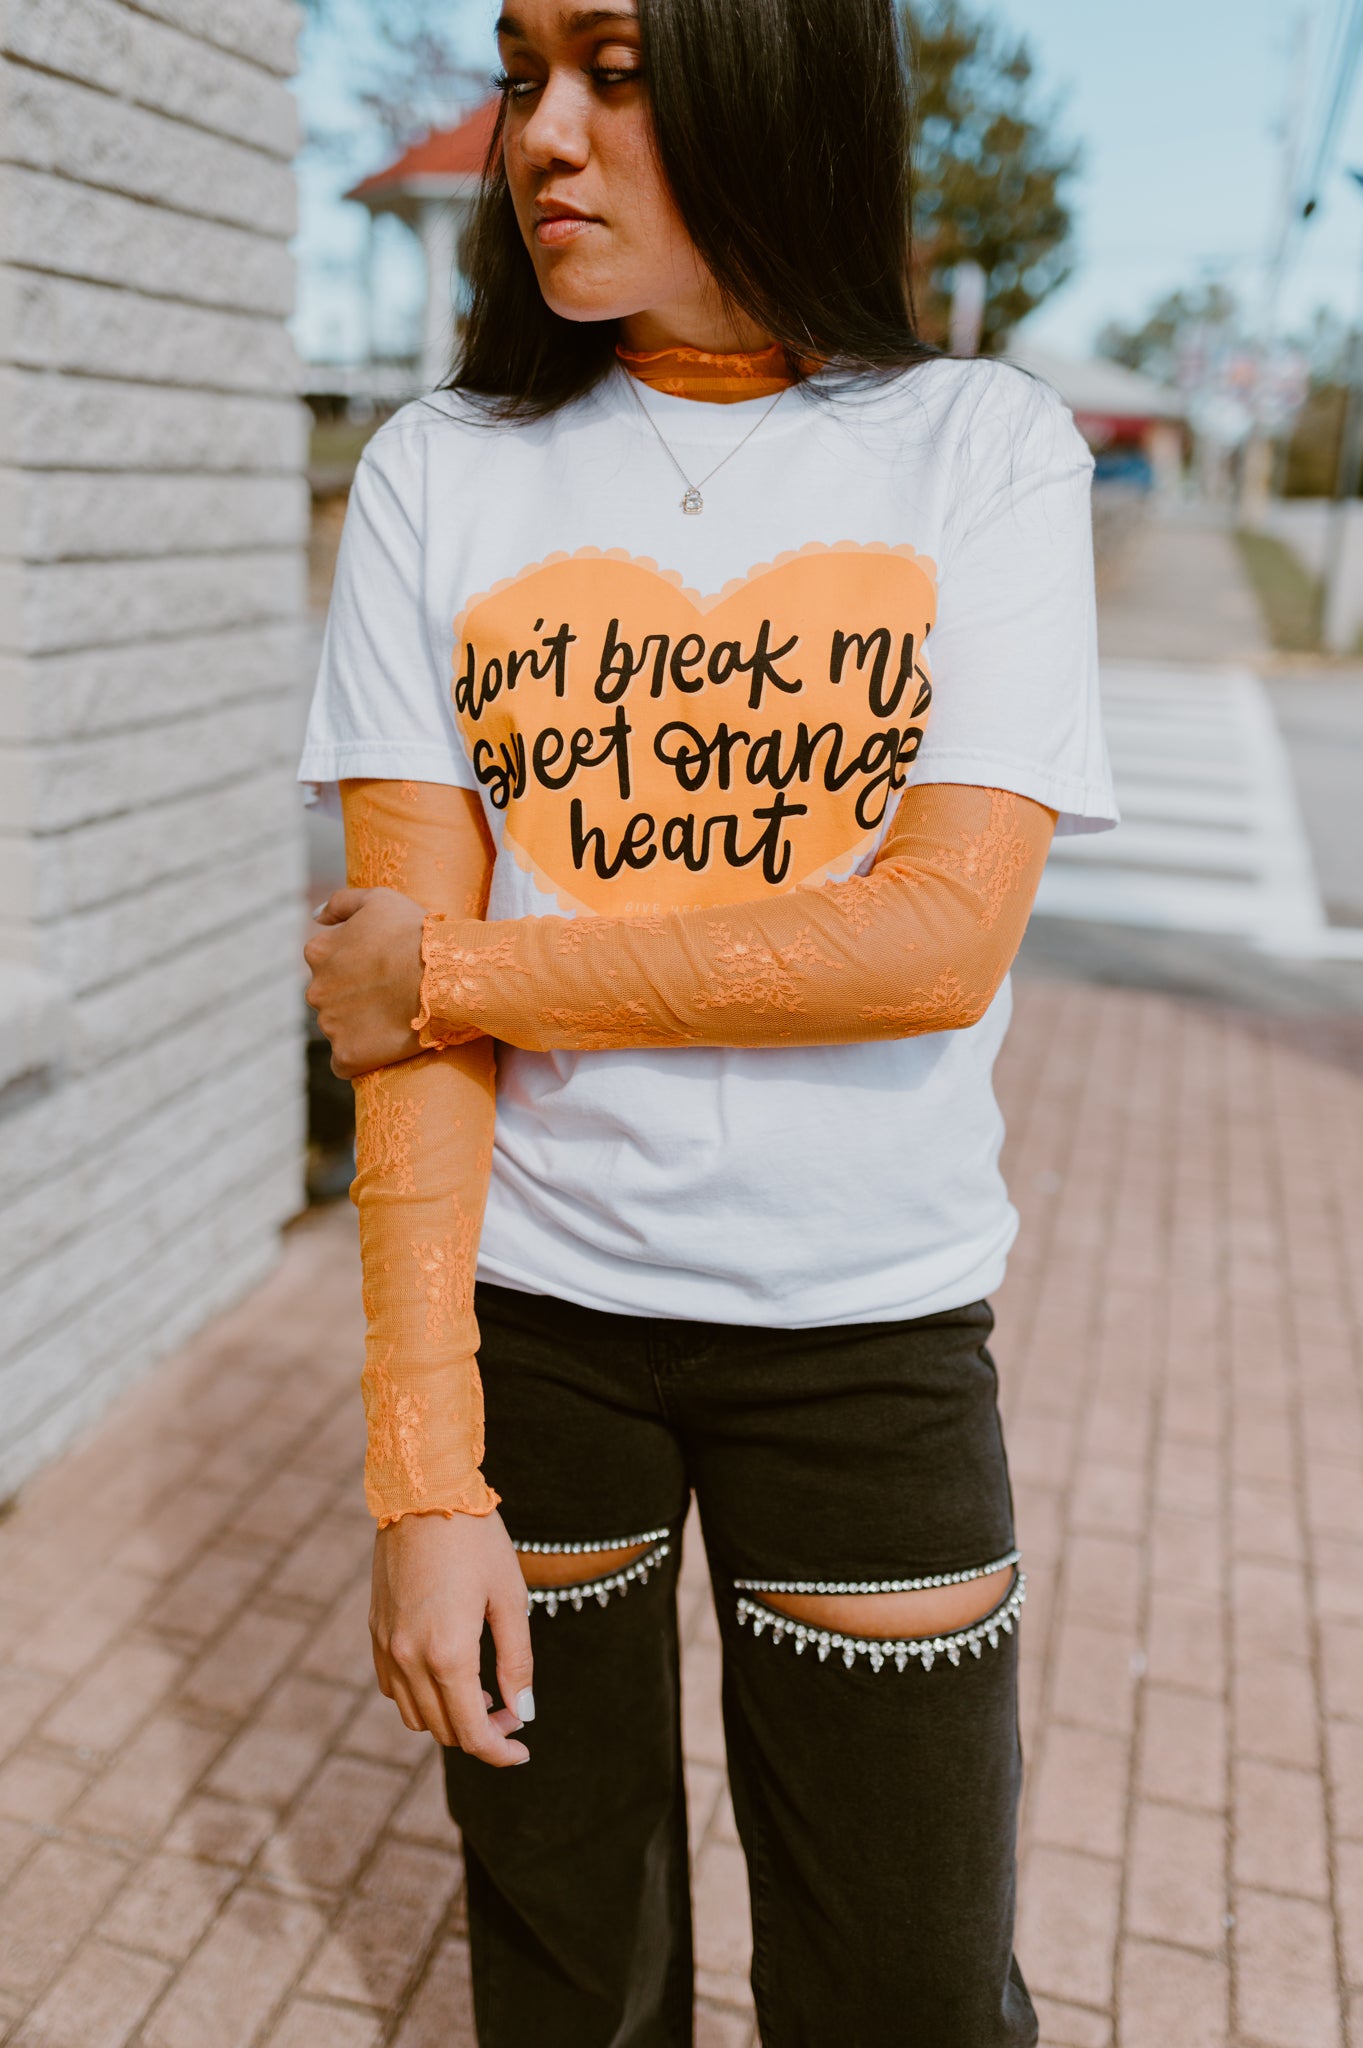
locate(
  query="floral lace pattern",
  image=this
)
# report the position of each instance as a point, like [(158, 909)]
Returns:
[(434, 1035), (609, 1026), (457, 980), (395, 1417), (572, 934), (946, 1006), (375, 859), (446, 1267), (861, 899), (385, 1130), (752, 976), (920, 944), (991, 862), (423, 1158)]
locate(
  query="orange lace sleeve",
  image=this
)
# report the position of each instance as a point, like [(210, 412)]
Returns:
[(920, 944), (423, 1154)]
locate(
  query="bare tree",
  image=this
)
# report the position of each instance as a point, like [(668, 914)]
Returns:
[(407, 64)]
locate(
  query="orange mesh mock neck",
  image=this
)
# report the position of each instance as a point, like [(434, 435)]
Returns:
[(715, 379)]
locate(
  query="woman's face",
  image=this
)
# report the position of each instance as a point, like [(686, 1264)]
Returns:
[(603, 233)]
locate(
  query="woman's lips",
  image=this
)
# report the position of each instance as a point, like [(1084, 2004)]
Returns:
[(560, 228)]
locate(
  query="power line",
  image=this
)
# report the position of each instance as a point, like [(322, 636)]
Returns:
[(1346, 50), (1292, 136)]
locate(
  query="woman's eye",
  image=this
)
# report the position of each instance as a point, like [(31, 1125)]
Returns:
[(616, 66), (515, 88)]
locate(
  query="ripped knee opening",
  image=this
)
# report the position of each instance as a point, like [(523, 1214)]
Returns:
[(570, 1574), (925, 1618)]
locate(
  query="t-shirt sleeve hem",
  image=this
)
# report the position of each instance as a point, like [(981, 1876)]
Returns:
[(1082, 806), (322, 767)]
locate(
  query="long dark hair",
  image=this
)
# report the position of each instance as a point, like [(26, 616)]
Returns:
[(782, 128)]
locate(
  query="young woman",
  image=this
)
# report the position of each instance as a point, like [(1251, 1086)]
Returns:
[(707, 670)]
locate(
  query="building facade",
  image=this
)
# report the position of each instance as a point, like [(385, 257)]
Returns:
[(432, 187), (153, 519)]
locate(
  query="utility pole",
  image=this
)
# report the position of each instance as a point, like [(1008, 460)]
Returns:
[(969, 294), (1341, 610), (1256, 470)]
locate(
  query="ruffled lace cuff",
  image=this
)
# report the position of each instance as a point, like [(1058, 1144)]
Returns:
[(425, 1438), (466, 970), (477, 1498), (444, 981)]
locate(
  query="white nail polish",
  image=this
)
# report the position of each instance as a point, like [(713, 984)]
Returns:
[(525, 1704)]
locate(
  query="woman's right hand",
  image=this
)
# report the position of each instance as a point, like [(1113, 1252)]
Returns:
[(437, 1579)]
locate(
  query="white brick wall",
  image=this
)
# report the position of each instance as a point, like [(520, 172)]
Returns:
[(152, 523)]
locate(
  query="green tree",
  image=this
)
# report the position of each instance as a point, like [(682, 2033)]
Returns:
[(1153, 346), (990, 174)]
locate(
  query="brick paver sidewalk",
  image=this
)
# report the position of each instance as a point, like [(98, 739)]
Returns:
[(217, 1834)]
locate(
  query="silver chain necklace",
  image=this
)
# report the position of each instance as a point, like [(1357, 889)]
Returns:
[(691, 499)]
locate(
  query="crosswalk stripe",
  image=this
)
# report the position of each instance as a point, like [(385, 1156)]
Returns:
[(1212, 838)]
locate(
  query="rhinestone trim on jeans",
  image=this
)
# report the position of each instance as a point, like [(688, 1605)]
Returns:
[(927, 1649), (551, 1598), (584, 1549), (979, 1571)]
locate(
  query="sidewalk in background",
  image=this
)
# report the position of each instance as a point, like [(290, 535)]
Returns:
[(1320, 717), (217, 1834), (1178, 593), (1237, 770)]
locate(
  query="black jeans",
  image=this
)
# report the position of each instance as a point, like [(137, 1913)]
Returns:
[(875, 1785)]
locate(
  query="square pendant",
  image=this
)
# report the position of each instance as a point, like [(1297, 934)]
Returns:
[(692, 501)]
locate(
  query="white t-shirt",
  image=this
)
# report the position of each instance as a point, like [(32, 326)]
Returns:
[(661, 709)]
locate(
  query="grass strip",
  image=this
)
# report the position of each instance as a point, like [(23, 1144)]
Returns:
[(1289, 596)]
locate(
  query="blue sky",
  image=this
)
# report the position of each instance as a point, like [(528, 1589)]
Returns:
[(1177, 105)]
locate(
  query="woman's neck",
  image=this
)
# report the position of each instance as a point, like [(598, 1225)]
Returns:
[(705, 327)]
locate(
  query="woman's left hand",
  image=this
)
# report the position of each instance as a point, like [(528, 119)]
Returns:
[(366, 978)]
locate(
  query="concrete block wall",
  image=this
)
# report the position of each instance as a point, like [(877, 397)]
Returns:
[(153, 519)]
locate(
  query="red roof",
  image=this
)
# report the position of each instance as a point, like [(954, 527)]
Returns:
[(445, 152)]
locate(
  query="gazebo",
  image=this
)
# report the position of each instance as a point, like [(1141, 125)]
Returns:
[(431, 187)]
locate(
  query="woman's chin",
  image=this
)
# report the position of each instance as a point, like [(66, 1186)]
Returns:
[(582, 298)]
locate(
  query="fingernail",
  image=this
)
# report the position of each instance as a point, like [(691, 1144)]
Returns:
[(320, 908), (525, 1704), (524, 1759)]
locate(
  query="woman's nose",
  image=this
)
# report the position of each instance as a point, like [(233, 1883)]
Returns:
[(556, 132)]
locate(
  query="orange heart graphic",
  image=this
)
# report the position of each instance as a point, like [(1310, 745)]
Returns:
[(653, 749)]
